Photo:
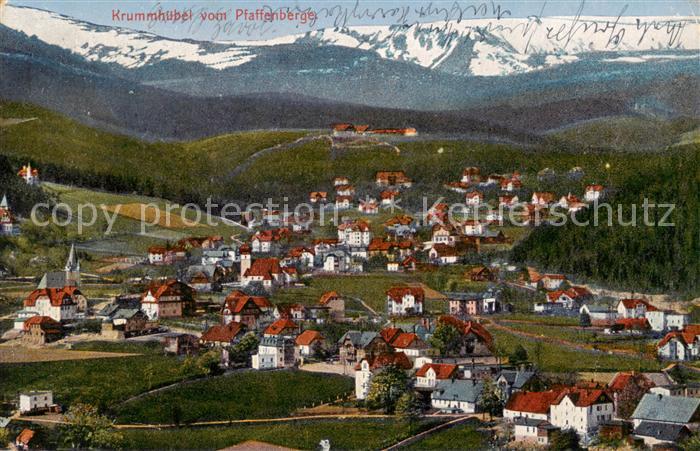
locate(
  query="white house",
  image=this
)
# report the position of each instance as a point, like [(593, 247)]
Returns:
[(533, 431), (405, 300), (35, 400), (368, 367), (443, 254), (443, 234), (593, 193), (474, 198), (473, 227), (633, 308), (582, 410), (681, 344), (55, 303), (274, 352), (429, 374), (356, 233), (663, 320)]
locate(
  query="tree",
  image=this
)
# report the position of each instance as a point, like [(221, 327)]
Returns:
[(86, 428), (518, 356), (564, 440), (409, 408), (584, 320), (4, 437), (447, 338), (240, 352), (209, 362), (386, 388), (630, 395), (537, 351), (492, 398)]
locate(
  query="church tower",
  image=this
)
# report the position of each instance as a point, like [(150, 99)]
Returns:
[(72, 268)]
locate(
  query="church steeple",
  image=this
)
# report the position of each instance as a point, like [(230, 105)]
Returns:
[(3, 203), (72, 264)]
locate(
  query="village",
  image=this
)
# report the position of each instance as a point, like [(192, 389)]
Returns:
[(477, 345)]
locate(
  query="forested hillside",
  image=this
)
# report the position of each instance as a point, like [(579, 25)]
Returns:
[(634, 257)]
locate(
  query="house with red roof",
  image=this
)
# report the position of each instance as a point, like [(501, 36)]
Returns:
[(583, 410), (318, 197), (29, 174), (354, 233), (222, 335), (507, 200), (169, 299), (570, 298), (511, 184), (56, 303), (308, 343), (343, 202), (527, 404), (632, 325), (681, 344), (474, 198), (475, 340), (265, 241), (161, 255), (471, 175), (551, 282), (248, 310), (393, 178), (428, 374), (269, 273), (39, 330), (410, 344), (371, 365), (593, 193), (625, 379), (443, 234), (542, 198), (282, 328), (335, 304), (8, 222), (443, 254), (23, 440), (405, 301), (634, 308), (368, 206)]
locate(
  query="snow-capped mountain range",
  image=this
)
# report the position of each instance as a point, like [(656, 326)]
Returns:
[(468, 48)]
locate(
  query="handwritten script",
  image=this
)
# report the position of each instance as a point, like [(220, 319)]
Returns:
[(458, 20)]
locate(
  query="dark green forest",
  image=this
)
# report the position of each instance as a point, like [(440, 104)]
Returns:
[(637, 257)]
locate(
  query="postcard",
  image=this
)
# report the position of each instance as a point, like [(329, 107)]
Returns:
[(349, 224)]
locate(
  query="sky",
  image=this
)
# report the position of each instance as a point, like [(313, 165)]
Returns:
[(345, 12)]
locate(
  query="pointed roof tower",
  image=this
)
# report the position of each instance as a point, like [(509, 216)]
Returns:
[(72, 264), (3, 203)]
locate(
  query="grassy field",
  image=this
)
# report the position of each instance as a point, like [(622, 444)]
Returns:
[(349, 434), (464, 436), (102, 382), (369, 287), (241, 395), (557, 358), (590, 337), (624, 132)]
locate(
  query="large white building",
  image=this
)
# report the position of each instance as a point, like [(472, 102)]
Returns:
[(35, 400), (582, 410), (405, 301), (354, 234), (56, 303), (274, 352)]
